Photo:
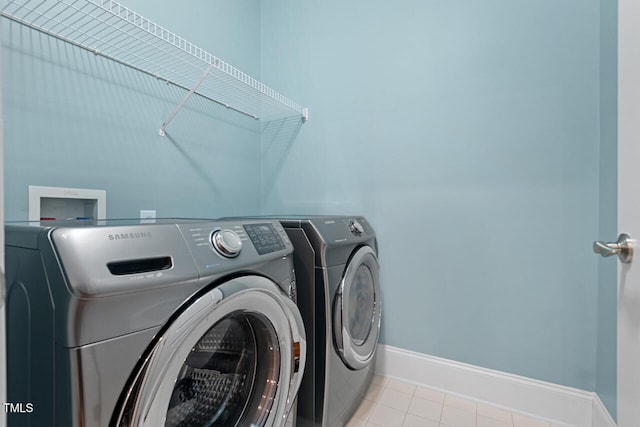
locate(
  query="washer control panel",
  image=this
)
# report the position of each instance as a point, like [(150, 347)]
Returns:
[(265, 237), (221, 245)]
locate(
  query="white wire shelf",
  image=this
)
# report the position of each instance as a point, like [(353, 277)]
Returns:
[(113, 31)]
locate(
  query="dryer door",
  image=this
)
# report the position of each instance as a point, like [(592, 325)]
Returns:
[(234, 357), (356, 325)]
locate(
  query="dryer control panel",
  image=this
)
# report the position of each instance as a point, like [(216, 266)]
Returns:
[(355, 227), (342, 230), (265, 238)]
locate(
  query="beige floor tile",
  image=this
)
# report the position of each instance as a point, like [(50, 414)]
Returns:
[(483, 421), (401, 386), (495, 413), (386, 416), (395, 399), (416, 421), (356, 422), (375, 392), (429, 394), (525, 421), (460, 403), (456, 417), (394, 403), (425, 408), (364, 410), (379, 379)]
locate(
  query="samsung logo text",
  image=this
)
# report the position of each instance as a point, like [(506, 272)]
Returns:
[(129, 236)]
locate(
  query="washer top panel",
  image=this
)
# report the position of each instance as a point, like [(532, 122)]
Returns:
[(118, 256)]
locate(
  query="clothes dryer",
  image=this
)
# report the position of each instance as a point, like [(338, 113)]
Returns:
[(176, 323), (337, 274)]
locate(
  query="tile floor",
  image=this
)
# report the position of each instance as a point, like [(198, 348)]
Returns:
[(393, 403)]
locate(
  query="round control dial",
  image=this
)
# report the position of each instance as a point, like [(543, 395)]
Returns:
[(355, 227), (226, 242)]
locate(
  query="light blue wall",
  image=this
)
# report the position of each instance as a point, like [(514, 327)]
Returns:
[(608, 190), (75, 120), (467, 132)]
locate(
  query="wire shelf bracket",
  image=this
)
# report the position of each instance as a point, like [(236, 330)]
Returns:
[(111, 30), (184, 100)]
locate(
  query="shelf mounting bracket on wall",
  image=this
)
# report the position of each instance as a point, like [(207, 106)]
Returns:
[(184, 100)]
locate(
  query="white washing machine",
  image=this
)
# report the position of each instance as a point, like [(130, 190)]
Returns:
[(176, 323)]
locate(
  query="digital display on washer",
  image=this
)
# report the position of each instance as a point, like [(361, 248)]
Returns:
[(265, 238)]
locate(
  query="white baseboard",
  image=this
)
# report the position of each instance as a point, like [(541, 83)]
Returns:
[(556, 403), (601, 417)]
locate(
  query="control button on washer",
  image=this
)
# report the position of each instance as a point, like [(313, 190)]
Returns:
[(226, 242)]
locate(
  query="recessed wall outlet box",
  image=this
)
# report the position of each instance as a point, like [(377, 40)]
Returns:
[(66, 203), (147, 216)]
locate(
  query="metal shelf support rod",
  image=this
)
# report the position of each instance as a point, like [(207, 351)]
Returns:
[(184, 100)]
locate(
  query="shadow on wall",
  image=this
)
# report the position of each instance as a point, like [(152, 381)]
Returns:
[(100, 121), (196, 166), (277, 139)]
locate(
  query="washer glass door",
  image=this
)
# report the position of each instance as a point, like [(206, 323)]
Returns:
[(233, 357), (357, 310), (230, 376)]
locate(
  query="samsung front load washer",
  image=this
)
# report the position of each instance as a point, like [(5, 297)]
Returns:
[(337, 274), (175, 323)]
